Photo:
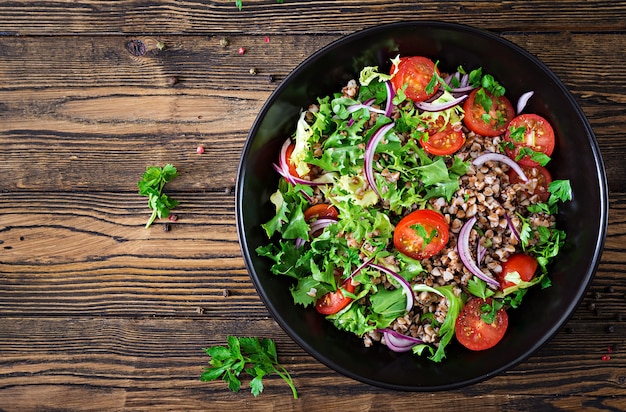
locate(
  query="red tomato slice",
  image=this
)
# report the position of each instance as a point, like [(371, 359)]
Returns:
[(443, 142), (292, 167), (538, 136), (421, 234), (320, 211), (544, 178), (523, 264), (416, 72), (476, 334), (333, 302), (500, 114)]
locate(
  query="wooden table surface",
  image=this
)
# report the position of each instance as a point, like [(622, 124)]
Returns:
[(99, 313)]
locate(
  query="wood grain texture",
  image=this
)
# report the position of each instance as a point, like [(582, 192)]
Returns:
[(98, 313), (301, 16)]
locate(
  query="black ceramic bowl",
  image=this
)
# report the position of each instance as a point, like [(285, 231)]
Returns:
[(576, 158)]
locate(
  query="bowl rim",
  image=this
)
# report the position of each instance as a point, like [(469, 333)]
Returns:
[(600, 176)]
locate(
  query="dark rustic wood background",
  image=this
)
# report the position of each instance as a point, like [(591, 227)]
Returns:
[(97, 313)]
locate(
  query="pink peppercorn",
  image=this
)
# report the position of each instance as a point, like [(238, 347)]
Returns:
[(606, 358), (241, 50), (267, 39), (200, 149)]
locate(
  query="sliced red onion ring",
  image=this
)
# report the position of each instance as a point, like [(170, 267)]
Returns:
[(370, 150), (523, 100), (320, 224), (465, 80), (403, 283), (512, 227), (358, 106), (390, 95), (283, 168), (497, 157), (399, 342), (466, 257), (314, 227), (364, 264), (480, 253), (437, 107)]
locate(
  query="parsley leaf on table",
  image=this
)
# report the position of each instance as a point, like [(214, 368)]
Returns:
[(257, 357), (151, 184)]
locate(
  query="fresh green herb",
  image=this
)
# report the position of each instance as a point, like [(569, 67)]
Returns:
[(478, 288), (538, 157), (423, 233), (257, 357), (490, 311), (485, 101), (517, 134), (151, 184), (495, 88), (514, 299), (560, 190)]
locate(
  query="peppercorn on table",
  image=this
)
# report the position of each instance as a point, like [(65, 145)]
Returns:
[(100, 312)]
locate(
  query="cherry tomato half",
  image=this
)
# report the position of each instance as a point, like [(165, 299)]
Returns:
[(538, 136), (292, 167), (320, 211), (333, 302), (421, 234), (443, 142), (498, 117), (476, 334), (416, 72), (523, 264), (544, 178)]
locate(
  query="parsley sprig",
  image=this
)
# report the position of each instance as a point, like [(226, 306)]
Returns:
[(151, 184), (254, 356)]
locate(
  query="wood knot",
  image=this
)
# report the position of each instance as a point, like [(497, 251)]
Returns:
[(136, 47)]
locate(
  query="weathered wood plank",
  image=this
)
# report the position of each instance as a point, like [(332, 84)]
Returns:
[(302, 17), (126, 111), (119, 361), (88, 253)]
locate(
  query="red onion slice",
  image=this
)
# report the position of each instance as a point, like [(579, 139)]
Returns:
[(358, 106), (390, 95), (370, 150), (480, 253), (497, 157), (512, 227), (437, 107), (320, 224), (403, 283), (523, 100), (398, 342), (314, 227), (283, 168), (466, 257), (364, 264)]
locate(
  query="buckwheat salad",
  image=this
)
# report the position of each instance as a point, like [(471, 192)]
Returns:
[(415, 206)]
